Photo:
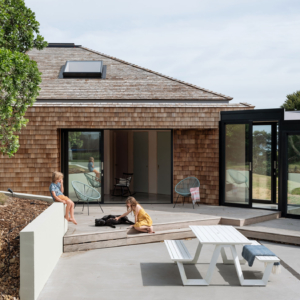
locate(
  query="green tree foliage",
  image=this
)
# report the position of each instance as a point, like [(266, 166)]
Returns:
[(292, 101), (75, 139), (19, 76), (262, 149), (19, 80)]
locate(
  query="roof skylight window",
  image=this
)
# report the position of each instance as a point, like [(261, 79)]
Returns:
[(83, 69)]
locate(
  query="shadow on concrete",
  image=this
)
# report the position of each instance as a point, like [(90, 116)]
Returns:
[(229, 275), (166, 274)]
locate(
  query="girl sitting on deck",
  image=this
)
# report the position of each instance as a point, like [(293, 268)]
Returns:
[(143, 222)]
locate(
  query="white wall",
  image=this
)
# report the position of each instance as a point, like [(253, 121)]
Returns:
[(41, 245)]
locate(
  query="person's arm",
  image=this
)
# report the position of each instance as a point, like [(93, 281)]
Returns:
[(62, 185), (137, 209), (125, 214), (57, 199)]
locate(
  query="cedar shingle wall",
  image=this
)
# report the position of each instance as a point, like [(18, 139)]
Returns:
[(195, 151)]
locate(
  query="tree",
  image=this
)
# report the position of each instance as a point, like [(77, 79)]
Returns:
[(292, 102), (261, 152), (75, 139), (19, 75)]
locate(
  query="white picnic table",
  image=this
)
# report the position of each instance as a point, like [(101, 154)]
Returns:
[(221, 237)]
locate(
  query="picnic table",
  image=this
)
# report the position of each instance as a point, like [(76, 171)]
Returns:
[(221, 237)]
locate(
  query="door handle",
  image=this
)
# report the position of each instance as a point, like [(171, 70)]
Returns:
[(250, 166)]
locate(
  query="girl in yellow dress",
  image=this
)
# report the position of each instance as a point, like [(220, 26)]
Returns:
[(143, 222)]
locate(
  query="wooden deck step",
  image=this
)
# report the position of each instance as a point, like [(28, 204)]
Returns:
[(132, 239), (114, 234)]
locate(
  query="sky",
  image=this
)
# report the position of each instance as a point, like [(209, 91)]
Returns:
[(248, 50)]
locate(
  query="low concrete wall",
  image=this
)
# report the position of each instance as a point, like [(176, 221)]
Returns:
[(41, 245), (28, 196)]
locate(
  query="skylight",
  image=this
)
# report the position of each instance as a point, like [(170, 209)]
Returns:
[(83, 69)]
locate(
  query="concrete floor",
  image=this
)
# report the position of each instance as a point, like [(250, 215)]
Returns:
[(146, 272), (160, 213)]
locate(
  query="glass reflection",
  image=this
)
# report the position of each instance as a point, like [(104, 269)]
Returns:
[(262, 164), (237, 163), (293, 194), (84, 157)]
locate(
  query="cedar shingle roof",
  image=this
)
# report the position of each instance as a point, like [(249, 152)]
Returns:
[(123, 81)]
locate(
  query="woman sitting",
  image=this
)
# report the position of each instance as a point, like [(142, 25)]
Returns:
[(143, 222)]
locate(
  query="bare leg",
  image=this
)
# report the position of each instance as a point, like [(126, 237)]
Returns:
[(148, 229), (97, 174), (72, 219), (67, 210)]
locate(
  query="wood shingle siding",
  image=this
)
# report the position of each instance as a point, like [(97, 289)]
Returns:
[(195, 142)]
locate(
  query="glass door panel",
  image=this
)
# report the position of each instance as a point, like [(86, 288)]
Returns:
[(262, 162), (84, 156), (293, 184), (237, 164)]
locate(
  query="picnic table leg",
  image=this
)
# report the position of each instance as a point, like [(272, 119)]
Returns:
[(197, 254), (227, 261), (250, 282), (237, 264), (208, 274), (212, 264)]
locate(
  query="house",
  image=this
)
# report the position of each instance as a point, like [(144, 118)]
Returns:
[(128, 118)]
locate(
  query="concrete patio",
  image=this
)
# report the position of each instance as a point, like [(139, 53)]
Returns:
[(146, 272)]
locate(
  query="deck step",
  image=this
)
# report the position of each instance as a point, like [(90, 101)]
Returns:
[(249, 221), (169, 230), (133, 239), (114, 234), (271, 234)]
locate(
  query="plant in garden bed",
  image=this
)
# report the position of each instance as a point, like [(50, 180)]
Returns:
[(15, 214)]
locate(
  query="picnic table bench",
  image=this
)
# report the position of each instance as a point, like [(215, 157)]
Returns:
[(221, 237)]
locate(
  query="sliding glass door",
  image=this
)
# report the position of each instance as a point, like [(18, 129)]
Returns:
[(248, 164), (265, 163), (293, 175), (82, 154), (237, 164)]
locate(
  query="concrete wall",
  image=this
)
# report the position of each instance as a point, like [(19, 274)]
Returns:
[(29, 196), (41, 245)]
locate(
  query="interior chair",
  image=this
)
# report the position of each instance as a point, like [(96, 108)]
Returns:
[(123, 185)]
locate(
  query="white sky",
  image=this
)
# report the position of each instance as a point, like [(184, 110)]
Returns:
[(248, 50)]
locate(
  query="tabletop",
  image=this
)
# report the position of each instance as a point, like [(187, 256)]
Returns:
[(219, 235)]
